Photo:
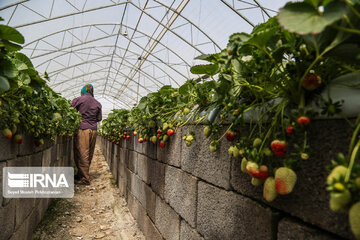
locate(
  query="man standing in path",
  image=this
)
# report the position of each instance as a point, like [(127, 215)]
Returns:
[(85, 140)]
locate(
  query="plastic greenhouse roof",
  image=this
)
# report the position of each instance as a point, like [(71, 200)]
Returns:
[(127, 49)]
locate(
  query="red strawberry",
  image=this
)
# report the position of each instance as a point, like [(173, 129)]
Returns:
[(159, 131), (170, 132), (7, 133), (18, 138), (230, 135), (278, 147), (141, 140), (303, 120), (285, 179), (158, 136), (162, 144), (252, 167), (311, 82), (289, 130), (128, 138), (145, 139), (134, 133)]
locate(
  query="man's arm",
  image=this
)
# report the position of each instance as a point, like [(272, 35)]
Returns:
[(99, 114)]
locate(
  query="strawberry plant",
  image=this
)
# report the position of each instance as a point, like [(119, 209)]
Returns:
[(27, 104)]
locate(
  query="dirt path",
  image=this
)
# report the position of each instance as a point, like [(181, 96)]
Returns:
[(96, 211)]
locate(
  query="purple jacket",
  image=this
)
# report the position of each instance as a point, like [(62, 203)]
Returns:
[(90, 109)]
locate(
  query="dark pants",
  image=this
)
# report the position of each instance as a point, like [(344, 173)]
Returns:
[(84, 150)]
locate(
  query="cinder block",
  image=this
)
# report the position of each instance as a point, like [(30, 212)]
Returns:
[(150, 231), (47, 157), (171, 154), (143, 168), (225, 215), (157, 177), (181, 193), (131, 161), (144, 222), (289, 229), (150, 202), (36, 159), (2, 165), (24, 207), (7, 220), (8, 149), (188, 233), (149, 149), (122, 183), (200, 162), (114, 167), (27, 147), (310, 200), (167, 220)]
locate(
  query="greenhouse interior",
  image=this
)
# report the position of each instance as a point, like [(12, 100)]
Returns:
[(180, 119)]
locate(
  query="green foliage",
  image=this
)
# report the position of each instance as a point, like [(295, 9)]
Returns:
[(26, 102)]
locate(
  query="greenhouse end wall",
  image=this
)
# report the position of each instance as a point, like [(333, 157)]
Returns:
[(19, 217), (190, 193)]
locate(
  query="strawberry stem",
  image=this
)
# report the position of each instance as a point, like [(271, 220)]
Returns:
[(225, 132), (352, 161)]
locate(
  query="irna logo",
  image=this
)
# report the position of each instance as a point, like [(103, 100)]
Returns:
[(18, 180)]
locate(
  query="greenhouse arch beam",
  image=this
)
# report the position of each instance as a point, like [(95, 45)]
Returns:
[(70, 14), (97, 39), (166, 28), (114, 79), (95, 60), (189, 21), (243, 17)]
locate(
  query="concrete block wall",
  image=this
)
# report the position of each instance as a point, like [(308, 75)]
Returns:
[(189, 193), (19, 217)]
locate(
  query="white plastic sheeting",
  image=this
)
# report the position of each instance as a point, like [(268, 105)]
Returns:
[(127, 49)]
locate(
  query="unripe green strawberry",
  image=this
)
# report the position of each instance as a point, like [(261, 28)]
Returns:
[(244, 162), (14, 129), (269, 192), (165, 126), (336, 174), (339, 200), (165, 138), (236, 152), (186, 111), (357, 182), (285, 179), (257, 142), (18, 139), (354, 219), (213, 146), (207, 131), (188, 143), (152, 124), (153, 139), (267, 152), (189, 138), (256, 182), (184, 137), (7, 133), (231, 150)]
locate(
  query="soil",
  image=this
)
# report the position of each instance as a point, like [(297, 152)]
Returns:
[(95, 212)]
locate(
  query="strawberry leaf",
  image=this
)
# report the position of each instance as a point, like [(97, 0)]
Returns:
[(209, 69), (303, 18), (4, 84)]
